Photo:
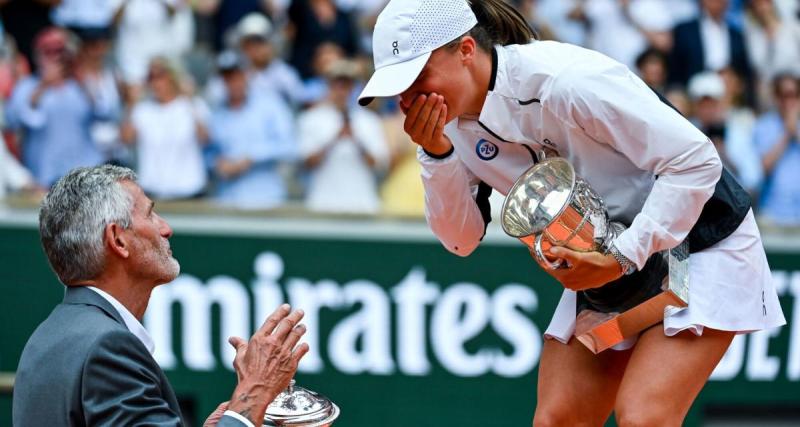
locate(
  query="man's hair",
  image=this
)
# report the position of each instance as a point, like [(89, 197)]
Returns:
[(74, 215)]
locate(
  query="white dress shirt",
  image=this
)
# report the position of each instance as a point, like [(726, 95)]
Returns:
[(131, 322), (716, 43)]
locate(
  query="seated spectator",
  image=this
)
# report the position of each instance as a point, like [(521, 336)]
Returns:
[(251, 134), (773, 42), (778, 142), (13, 177), (168, 129), (267, 73), (343, 148), (730, 133), (53, 112), (708, 43)]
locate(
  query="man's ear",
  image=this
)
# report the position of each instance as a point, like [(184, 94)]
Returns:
[(117, 241)]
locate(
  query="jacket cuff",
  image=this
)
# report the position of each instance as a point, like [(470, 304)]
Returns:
[(238, 417), (440, 156)]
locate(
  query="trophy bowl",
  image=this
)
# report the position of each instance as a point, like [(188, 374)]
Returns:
[(550, 205), (300, 407)]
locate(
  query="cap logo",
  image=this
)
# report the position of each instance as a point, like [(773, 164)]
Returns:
[(395, 50)]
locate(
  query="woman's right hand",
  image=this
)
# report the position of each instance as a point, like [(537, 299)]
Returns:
[(425, 121)]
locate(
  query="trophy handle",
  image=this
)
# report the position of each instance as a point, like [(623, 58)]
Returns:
[(539, 255)]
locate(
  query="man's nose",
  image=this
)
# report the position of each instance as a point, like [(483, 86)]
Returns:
[(166, 230)]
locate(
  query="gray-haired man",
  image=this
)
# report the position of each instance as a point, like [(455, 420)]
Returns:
[(89, 363)]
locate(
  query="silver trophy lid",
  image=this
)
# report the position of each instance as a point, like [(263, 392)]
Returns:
[(297, 406), (538, 197)]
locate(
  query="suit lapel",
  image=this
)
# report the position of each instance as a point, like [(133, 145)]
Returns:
[(83, 295)]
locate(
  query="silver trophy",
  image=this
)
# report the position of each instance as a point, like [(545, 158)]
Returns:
[(550, 205), (300, 407)]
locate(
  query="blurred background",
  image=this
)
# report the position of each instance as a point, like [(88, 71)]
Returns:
[(239, 117)]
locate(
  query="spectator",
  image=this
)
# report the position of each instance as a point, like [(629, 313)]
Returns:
[(652, 67), (228, 13), (708, 43), (773, 43), (316, 86), (251, 134), (149, 29), (730, 133), (624, 29), (267, 73), (100, 81), (13, 177), (314, 22), (343, 147), (168, 130), (53, 112), (778, 142)]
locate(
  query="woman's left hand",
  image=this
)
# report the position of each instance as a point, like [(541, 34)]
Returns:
[(587, 270)]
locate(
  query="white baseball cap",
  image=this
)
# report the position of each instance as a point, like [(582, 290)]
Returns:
[(406, 33), (254, 25), (707, 84)]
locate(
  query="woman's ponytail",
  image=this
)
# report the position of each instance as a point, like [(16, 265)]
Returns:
[(499, 23)]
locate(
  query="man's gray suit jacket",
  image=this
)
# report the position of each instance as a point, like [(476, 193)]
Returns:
[(83, 367)]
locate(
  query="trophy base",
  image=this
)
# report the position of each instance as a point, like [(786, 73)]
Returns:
[(661, 289), (601, 331)]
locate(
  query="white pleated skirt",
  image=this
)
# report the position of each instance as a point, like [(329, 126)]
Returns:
[(730, 289)]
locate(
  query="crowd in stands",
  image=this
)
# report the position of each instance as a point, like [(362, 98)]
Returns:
[(250, 104)]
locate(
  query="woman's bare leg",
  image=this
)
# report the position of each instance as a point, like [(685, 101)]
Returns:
[(665, 374), (577, 387)]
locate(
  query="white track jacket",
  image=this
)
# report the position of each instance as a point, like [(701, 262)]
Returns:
[(592, 111)]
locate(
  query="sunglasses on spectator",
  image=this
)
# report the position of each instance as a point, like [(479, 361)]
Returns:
[(788, 94)]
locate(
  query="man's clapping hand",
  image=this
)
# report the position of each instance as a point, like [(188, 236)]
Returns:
[(266, 363)]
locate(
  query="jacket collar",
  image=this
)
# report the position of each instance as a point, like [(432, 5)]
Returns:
[(83, 295)]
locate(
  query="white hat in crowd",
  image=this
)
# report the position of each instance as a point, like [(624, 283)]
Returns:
[(707, 84), (254, 25), (406, 33)]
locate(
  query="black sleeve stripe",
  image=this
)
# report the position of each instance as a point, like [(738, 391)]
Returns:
[(482, 200), (530, 101), (440, 156), (533, 155), (490, 131)]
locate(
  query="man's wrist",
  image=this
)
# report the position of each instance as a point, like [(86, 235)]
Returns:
[(249, 402)]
